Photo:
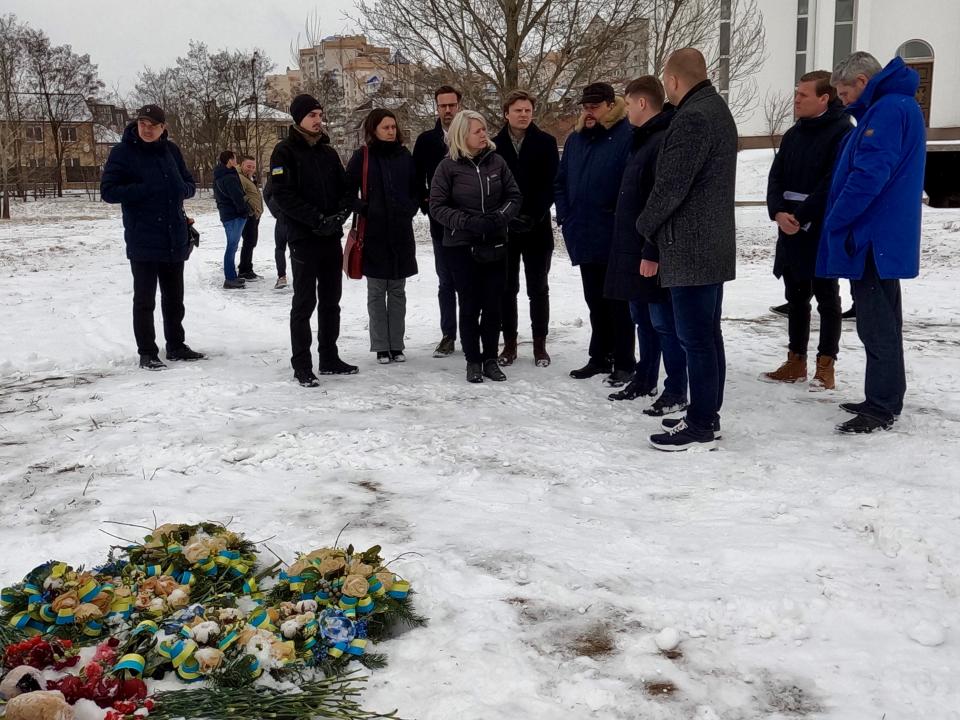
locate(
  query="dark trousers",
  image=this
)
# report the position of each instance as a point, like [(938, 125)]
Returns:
[(446, 294), (251, 231), (280, 251), (611, 329), (536, 250), (479, 287), (648, 343), (880, 327), (674, 357), (798, 292), (146, 277), (317, 271), (697, 314)]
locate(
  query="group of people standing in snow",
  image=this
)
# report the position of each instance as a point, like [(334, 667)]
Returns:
[(644, 198)]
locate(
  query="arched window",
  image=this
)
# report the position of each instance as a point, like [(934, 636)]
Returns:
[(915, 50), (918, 54)]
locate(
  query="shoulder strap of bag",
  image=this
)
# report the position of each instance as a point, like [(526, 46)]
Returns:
[(366, 167)]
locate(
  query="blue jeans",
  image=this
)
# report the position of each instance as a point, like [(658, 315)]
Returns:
[(674, 358), (697, 314), (234, 230), (446, 294), (880, 327), (647, 372)]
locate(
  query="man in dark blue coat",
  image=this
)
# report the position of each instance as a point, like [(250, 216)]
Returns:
[(650, 306), (233, 209), (146, 174), (871, 233), (585, 192), (429, 149), (532, 157)]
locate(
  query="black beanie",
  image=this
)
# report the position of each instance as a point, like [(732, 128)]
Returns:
[(302, 106)]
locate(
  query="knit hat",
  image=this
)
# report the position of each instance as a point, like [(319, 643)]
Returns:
[(598, 92), (154, 113), (303, 105)]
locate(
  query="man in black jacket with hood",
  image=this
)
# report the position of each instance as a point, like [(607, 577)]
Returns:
[(308, 187), (532, 157), (797, 191), (429, 149)]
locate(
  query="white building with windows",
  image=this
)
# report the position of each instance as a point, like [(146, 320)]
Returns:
[(805, 35)]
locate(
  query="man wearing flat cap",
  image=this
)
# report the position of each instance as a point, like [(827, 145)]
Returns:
[(308, 187), (586, 192), (146, 175)]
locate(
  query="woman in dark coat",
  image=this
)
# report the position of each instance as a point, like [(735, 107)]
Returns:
[(391, 201), (474, 196)]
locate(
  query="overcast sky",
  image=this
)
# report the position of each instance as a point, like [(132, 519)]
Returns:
[(123, 37)]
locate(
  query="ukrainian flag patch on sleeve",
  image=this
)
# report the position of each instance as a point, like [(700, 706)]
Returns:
[(276, 171)]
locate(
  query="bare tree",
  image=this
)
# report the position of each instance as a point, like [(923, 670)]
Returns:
[(12, 72), (553, 47), (777, 112), (61, 81)]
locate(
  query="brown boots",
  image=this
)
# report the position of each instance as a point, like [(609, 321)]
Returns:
[(795, 370), (824, 378), (509, 353), (540, 356)]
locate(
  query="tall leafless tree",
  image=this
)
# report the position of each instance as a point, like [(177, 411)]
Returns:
[(61, 81), (777, 113), (12, 77), (552, 47)]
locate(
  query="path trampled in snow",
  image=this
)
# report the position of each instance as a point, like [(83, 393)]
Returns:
[(553, 543)]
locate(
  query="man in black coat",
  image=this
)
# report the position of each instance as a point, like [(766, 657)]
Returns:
[(146, 174), (308, 187), (650, 305), (233, 209), (532, 157), (689, 230), (429, 149), (797, 190)]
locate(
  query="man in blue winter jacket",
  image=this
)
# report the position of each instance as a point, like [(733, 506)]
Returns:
[(585, 192), (871, 233), (146, 175), (233, 208)]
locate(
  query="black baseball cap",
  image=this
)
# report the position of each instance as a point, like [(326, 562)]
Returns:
[(152, 112), (598, 92)]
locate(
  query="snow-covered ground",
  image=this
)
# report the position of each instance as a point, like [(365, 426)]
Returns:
[(804, 571)]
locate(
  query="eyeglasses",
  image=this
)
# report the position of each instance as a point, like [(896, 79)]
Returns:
[(449, 106)]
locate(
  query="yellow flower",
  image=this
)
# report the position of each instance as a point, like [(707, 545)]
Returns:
[(66, 601), (283, 651), (331, 565), (355, 586), (87, 611), (360, 568), (103, 601), (196, 551), (209, 659)]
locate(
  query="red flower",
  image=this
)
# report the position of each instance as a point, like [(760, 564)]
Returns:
[(132, 689)]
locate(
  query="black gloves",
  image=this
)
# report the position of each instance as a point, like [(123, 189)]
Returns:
[(487, 224), (522, 223), (331, 224)]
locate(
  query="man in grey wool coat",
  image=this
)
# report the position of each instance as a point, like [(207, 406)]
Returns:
[(688, 227)]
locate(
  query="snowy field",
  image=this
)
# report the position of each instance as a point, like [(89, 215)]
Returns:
[(808, 574)]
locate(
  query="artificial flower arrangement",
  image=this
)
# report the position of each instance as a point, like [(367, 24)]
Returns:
[(187, 603)]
